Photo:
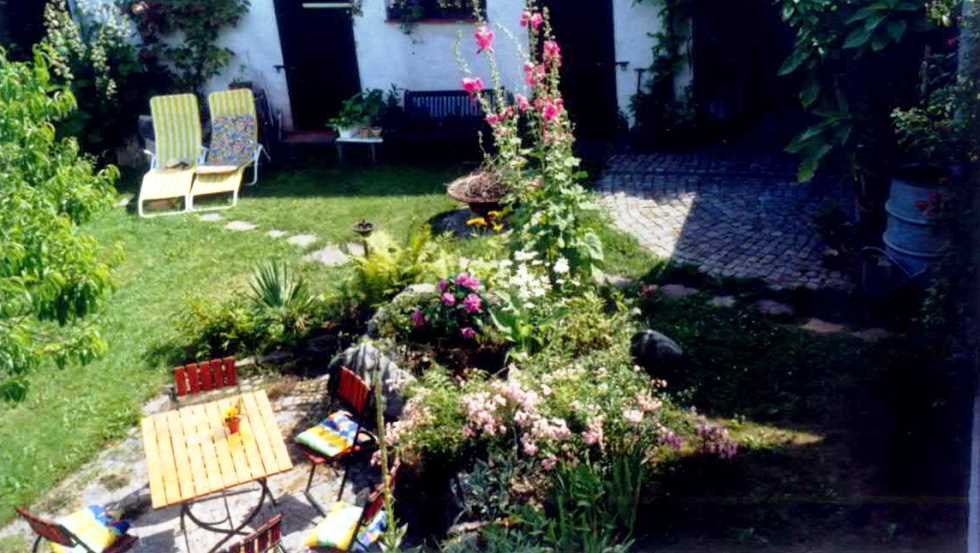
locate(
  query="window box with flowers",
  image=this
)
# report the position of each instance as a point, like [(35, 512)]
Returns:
[(433, 11)]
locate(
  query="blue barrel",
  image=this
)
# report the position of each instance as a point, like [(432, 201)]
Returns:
[(918, 232)]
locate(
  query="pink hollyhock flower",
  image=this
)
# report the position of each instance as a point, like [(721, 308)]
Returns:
[(552, 52), (484, 39), (493, 120), (473, 304), (468, 333), (467, 281), (525, 18), (418, 318), (473, 85), (552, 110), (523, 103), (533, 74), (443, 286), (537, 20), (448, 299)]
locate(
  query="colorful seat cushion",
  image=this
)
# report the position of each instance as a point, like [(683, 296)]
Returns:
[(333, 436), (371, 532), (336, 531), (94, 526), (232, 141)]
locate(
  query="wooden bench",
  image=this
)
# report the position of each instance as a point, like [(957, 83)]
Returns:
[(446, 117)]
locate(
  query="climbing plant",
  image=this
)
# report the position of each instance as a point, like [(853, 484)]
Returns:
[(662, 115), (196, 57)]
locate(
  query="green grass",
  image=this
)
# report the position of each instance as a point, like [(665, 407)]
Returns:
[(70, 414)]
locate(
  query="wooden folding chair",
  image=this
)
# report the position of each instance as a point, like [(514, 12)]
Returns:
[(267, 538), (57, 533), (195, 379), (353, 394)]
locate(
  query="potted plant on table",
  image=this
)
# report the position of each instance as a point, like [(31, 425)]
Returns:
[(360, 115), (233, 417)]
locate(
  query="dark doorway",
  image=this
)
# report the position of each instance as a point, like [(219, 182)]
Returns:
[(585, 32), (21, 26), (738, 49), (319, 57)]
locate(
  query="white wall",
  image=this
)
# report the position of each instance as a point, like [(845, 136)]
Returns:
[(255, 41), (633, 23), (424, 59)]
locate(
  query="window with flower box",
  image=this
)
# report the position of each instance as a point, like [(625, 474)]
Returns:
[(413, 11)]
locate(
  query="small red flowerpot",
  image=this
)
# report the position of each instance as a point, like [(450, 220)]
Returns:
[(234, 425)]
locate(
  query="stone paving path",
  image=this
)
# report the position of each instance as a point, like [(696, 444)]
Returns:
[(730, 216), (118, 477)]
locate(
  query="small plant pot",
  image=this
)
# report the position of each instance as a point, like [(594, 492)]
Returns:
[(234, 425), (346, 132)]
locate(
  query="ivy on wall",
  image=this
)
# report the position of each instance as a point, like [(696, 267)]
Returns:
[(196, 57)]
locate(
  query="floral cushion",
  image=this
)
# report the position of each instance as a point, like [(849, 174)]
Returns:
[(333, 436), (232, 141), (94, 526), (371, 532), (336, 531)]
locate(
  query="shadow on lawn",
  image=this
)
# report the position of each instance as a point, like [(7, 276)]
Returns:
[(842, 436)]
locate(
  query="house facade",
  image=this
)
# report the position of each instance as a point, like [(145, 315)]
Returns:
[(310, 55)]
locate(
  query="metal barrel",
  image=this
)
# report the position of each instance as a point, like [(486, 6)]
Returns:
[(918, 230)]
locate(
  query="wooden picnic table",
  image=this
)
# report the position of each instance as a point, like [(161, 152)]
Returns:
[(191, 455)]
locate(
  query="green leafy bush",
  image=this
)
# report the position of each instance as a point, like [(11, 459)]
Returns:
[(52, 275), (364, 109)]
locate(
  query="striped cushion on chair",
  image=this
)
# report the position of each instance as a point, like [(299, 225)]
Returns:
[(333, 436), (336, 531)]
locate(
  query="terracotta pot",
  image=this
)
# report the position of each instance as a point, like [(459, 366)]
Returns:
[(234, 425)]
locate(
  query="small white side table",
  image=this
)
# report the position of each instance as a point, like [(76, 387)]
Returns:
[(372, 141)]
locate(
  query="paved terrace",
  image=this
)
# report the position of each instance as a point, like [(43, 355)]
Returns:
[(743, 216)]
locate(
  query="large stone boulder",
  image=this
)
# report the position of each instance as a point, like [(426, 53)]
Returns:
[(369, 363), (415, 294), (657, 353)]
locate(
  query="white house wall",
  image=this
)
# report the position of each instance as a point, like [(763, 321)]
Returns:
[(424, 58)]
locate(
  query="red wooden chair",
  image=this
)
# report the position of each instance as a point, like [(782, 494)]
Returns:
[(57, 533), (197, 378), (353, 394), (267, 538)]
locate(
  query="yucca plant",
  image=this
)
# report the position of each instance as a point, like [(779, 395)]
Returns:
[(276, 290)]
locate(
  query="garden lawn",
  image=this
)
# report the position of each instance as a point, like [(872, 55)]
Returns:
[(70, 414)]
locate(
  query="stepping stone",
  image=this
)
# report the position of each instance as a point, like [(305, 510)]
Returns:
[(124, 201), (677, 291), (330, 256), (302, 240), (240, 226), (773, 308), (872, 334), (355, 249), (618, 281), (726, 302), (276, 233), (212, 217), (819, 326)]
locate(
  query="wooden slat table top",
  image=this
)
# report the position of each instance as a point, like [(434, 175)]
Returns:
[(190, 454)]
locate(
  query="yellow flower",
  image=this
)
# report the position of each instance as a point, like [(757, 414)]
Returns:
[(477, 222), (234, 412)]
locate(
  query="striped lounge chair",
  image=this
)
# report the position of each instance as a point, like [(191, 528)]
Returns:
[(177, 131)]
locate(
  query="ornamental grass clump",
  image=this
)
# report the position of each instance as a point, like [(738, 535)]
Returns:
[(533, 156)]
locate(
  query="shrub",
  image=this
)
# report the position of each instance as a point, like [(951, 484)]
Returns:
[(52, 275)]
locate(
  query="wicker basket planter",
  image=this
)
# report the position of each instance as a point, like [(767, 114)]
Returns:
[(482, 192)]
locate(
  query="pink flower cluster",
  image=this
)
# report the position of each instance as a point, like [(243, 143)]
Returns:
[(473, 85), (484, 39), (715, 440), (594, 434)]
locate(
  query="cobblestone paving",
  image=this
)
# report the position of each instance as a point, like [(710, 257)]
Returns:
[(730, 216)]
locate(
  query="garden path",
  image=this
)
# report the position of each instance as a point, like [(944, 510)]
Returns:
[(731, 216), (118, 477)]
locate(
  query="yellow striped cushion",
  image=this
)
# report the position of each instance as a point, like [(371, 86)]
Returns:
[(337, 529), (177, 129)]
